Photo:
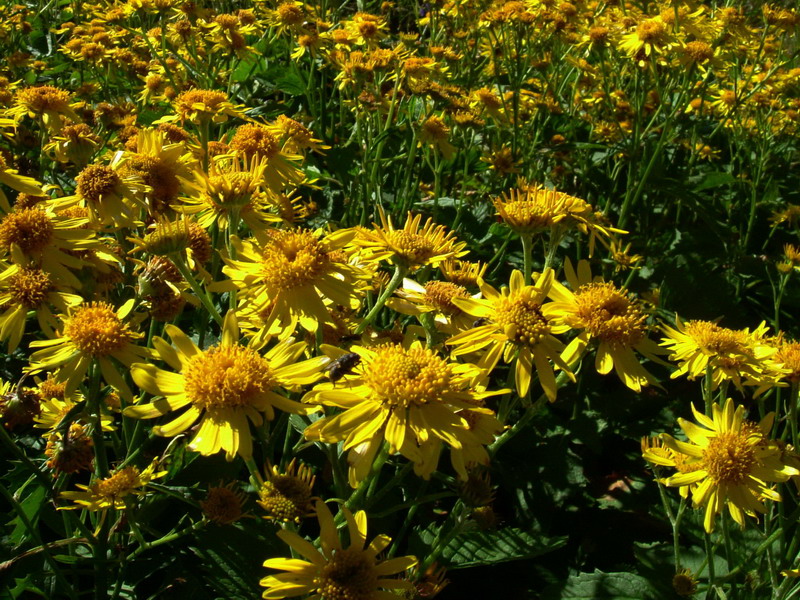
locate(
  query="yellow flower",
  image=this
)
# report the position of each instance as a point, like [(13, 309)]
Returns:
[(335, 572), (730, 354), (254, 141), (517, 330), (92, 333), (608, 315), (410, 246), (404, 395), (205, 106), (113, 491), (286, 496), (46, 102), (36, 236), (111, 197), (232, 189), (736, 462), (434, 297), (24, 289), (298, 273), (223, 387)]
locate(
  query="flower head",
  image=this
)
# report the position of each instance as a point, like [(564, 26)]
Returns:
[(286, 495), (336, 572), (734, 462), (113, 491), (224, 387)]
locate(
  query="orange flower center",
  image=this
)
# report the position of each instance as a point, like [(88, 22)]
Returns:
[(227, 377), (96, 330), (405, 378), (31, 229), (521, 320), (349, 575), (729, 457), (608, 313), (30, 287), (292, 259)]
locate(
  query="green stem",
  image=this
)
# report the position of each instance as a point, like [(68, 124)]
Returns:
[(397, 279), (26, 522), (527, 256), (711, 566), (359, 497), (181, 265)]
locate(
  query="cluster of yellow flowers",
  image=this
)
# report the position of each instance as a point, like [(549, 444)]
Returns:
[(170, 250)]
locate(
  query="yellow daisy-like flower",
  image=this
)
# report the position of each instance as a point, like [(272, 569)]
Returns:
[(736, 462), (298, 273), (434, 297), (532, 208), (404, 395), (46, 102), (740, 356), (652, 36), (515, 329), (335, 572), (113, 491), (205, 106), (223, 387), (254, 141), (231, 189), (38, 236), (287, 496), (608, 315), (24, 289), (92, 332), (111, 197), (411, 247)]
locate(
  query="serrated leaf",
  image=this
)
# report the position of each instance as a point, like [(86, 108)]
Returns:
[(602, 586), (474, 548)]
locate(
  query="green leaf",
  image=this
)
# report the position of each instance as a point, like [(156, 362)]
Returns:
[(475, 548), (291, 83), (602, 586), (715, 179), (31, 506)]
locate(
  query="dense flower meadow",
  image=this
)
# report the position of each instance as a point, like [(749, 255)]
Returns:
[(399, 300)]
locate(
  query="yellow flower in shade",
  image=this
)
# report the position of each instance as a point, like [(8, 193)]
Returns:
[(298, 273), (741, 356), (24, 289), (736, 463), (231, 189), (412, 246), (54, 410), (335, 572), (298, 138), (113, 491), (607, 315), (205, 106), (286, 496), (17, 182), (434, 297), (657, 453), (406, 395), (223, 504), (224, 387), (92, 333), (515, 330), (36, 236)]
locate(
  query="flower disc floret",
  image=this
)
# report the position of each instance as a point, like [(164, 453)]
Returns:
[(255, 140), (608, 313), (31, 229), (117, 485), (293, 258), (43, 98), (414, 248), (30, 287), (227, 377), (521, 319), (712, 338), (97, 330), (729, 457), (349, 575), (440, 294), (413, 377), (96, 181)]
